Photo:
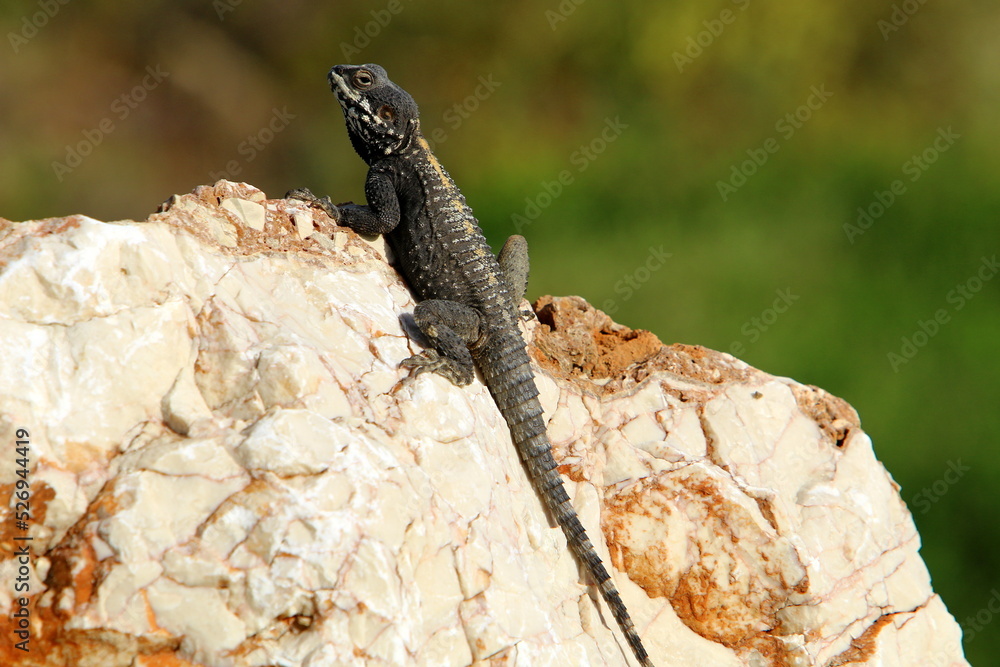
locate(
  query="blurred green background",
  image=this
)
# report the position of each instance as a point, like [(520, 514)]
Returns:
[(822, 176)]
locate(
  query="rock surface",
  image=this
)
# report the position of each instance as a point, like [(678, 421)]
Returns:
[(227, 469)]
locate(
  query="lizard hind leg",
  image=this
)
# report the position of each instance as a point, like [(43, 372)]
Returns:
[(513, 260), (450, 327)]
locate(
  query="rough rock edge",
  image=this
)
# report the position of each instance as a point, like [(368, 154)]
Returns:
[(575, 342), (581, 344)]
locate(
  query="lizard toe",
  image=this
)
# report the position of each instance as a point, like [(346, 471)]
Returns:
[(325, 203), (431, 360), (303, 194)]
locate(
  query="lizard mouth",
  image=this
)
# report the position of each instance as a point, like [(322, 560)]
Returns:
[(355, 106), (339, 85)]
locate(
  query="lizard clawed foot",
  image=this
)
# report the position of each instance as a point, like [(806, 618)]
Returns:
[(431, 360), (325, 203)]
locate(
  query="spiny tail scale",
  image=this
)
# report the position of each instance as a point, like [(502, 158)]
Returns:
[(508, 375)]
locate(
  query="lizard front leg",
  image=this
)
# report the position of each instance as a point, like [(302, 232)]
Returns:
[(450, 327), (379, 216)]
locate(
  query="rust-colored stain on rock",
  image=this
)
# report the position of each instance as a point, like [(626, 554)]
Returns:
[(580, 343), (834, 416), (731, 598), (864, 646), (202, 207)]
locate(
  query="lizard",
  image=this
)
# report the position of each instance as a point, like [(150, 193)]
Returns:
[(468, 298)]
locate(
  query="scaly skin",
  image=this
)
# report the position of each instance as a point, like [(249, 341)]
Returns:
[(469, 298)]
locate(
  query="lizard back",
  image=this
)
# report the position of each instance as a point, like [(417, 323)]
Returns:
[(469, 297)]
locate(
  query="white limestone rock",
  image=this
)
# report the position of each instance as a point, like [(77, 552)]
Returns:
[(227, 469)]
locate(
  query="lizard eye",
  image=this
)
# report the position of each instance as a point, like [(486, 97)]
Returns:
[(363, 79), (385, 112)]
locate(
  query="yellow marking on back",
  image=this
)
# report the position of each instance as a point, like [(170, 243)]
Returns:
[(468, 224), (434, 161)]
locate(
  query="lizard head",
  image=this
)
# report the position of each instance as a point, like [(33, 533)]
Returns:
[(381, 116)]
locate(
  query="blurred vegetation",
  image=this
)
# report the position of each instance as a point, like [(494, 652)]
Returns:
[(682, 92)]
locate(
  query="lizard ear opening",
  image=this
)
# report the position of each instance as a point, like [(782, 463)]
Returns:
[(386, 113)]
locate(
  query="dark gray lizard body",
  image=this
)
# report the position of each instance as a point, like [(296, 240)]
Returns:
[(469, 298)]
